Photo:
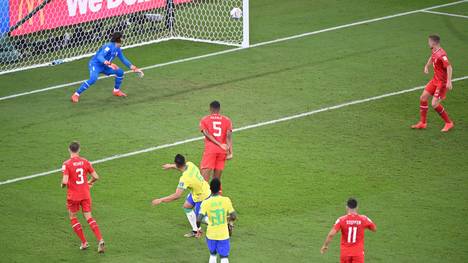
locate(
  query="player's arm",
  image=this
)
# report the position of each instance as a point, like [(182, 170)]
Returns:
[(178, 193), (64, 176), (428, 63), (232, 216), (94, 178), (213, 140), (370, 225), (229, 144), (329, 238), (64, 180), (200, 217), (128, 64), (449, 76), (169, 166)]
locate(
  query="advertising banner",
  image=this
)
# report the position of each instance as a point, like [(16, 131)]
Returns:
[(69, 12)]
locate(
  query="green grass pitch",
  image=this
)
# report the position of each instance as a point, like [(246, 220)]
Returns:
[(288, 181)]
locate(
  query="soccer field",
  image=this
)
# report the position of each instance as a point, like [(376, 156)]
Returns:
[(319, 117)]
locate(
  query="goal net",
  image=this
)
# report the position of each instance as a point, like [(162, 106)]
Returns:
[(36, 33)]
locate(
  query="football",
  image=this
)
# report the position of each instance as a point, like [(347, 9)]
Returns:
[(236, 13)]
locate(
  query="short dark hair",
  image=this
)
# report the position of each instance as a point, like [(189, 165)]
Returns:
[(116, 37), (215, 105), (74, 147), (215, 185), (435, 38), (351, 203), (179, 160)]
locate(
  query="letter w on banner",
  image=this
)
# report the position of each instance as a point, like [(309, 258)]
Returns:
[(70, 12)]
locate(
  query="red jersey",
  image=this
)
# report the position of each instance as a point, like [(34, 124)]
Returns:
[(352, 228), (440, 63), (218, 126), (77, 169)]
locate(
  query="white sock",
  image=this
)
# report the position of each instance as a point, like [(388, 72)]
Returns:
[(212, 259), (224, 260), (192, 218)]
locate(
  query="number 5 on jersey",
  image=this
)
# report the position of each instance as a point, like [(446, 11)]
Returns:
[(217, 128)]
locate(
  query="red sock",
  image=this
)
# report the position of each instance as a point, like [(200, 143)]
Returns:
[(423, 111), (443, 114), (78, 230), (95, 228)]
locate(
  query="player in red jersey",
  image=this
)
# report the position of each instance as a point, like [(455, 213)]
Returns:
[(218, 142), (352, 228), (438, 86), (75, 171)]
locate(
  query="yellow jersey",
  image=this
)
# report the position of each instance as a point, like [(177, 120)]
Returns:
[(192, 180), (217, 208)]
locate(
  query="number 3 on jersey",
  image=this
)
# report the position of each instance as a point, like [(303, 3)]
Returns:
[(217, 128), (80, 173)]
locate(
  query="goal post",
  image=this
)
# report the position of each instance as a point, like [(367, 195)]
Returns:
[(35, 33)]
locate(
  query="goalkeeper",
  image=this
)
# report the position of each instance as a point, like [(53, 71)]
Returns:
[(101, 62)]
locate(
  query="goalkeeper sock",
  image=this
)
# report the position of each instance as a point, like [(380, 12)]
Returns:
[(118, 78), (212, 259), (192, 218), (84, 86)]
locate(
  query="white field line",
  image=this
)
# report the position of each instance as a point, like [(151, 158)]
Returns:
[(444, 14), (238, 49), (247, 127)]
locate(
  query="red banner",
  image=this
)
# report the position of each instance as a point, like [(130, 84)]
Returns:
[(69, 12)]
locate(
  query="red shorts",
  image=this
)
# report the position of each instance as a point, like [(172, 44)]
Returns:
[(352, 259), (74, 206), (436, 88), (213, 161)]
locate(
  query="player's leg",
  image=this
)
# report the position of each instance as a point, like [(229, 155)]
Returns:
[(86, 207), (93, 76), (223, 249), (206, 173), (439, 96), (212, 248), (73, 207), (423, 105), (219, 167), (356, 259), (345, 259), (191, 216), (207, 165), (119, 75)]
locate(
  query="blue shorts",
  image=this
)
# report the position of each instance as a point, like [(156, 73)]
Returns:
[(221, 247), (196, 205)]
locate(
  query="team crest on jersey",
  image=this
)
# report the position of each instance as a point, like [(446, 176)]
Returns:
[(107, 49)]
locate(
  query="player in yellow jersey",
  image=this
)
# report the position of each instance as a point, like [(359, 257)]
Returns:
[(191, 180), (220, 214)]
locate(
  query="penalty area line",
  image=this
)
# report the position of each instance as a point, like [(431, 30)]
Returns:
[(444, 14), (243, 128), (278, 40)]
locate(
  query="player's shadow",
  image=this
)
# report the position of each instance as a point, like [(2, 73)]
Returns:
[(195, 88)]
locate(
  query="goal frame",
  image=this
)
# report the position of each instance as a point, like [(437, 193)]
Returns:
[(245, 42)]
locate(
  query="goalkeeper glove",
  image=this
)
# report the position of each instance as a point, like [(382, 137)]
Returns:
[(111, 65), (137, 70)]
